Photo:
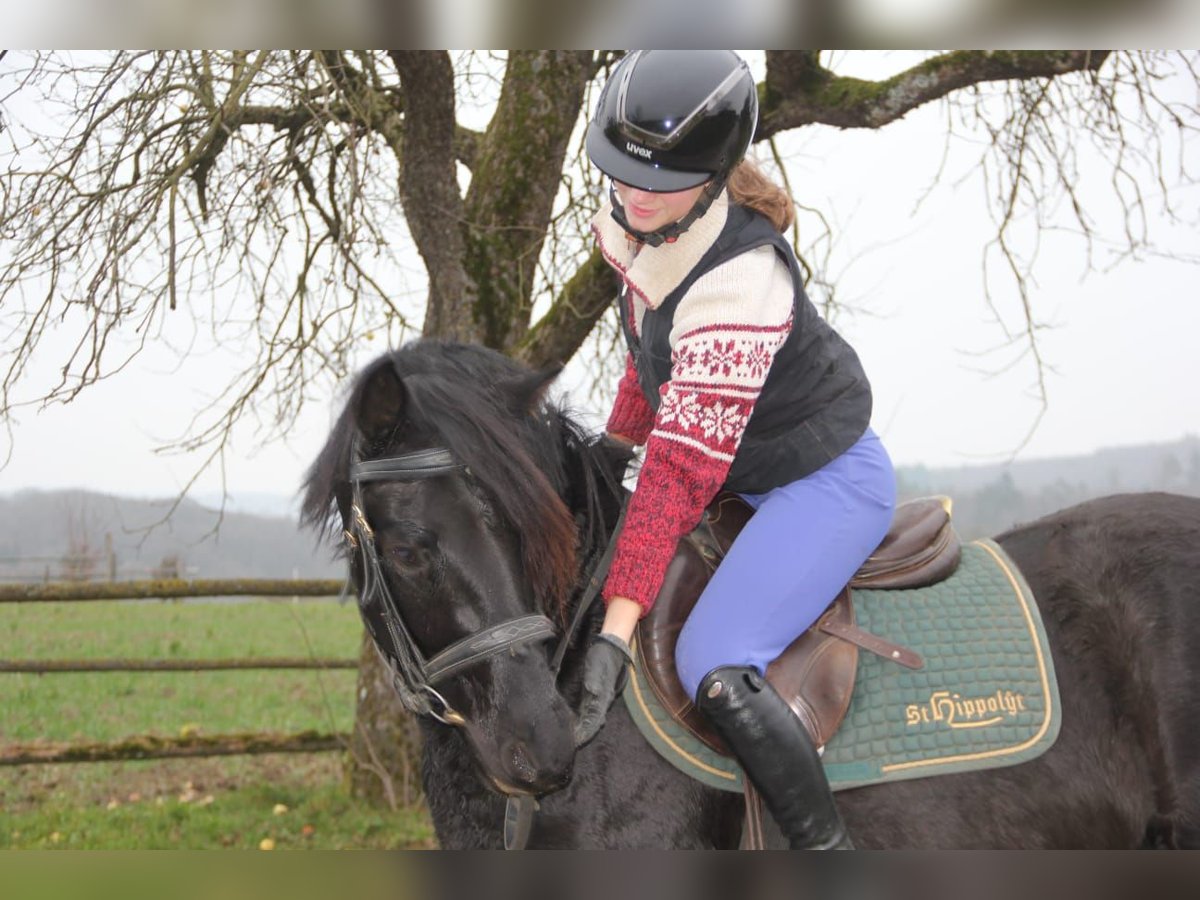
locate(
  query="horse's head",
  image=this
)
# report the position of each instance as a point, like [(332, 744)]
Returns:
[(448, 475)]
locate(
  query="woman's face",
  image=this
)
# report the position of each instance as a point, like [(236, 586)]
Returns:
[(649, 210)]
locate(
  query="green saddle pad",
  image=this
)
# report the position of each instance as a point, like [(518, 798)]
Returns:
[(987, 696)]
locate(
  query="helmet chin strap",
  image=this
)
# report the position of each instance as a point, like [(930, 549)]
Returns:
[(668, 234)]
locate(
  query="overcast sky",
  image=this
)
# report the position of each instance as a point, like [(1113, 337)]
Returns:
[(1122, 343)]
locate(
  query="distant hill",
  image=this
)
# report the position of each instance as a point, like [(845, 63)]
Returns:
[(52, 531), (991, 498), (49, 531), (257, 503)]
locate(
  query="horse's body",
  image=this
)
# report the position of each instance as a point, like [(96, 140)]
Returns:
[(1117, 580)]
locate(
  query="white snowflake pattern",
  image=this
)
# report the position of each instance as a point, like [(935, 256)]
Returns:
[(722, 422), (718, 423), (682, 409)]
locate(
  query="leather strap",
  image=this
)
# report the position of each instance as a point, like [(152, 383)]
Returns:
[(413, 675), (910, 659), (752, 826), (596, 575), (409, 467), (484, 643)]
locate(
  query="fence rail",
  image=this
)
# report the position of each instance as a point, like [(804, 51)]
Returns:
[(149, 746), (47, 666), (169, 588), (152, 746)]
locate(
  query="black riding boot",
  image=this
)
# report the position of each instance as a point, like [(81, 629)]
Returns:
[(777, 754)]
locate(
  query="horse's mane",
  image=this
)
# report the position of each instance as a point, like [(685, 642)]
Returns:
[(487, 410)]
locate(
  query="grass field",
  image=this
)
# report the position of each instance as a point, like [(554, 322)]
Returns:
[(286, 800)]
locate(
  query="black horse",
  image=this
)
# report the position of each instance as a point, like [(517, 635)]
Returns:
[(499, 528)]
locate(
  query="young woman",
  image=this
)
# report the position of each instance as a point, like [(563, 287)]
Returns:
[(734, 382)]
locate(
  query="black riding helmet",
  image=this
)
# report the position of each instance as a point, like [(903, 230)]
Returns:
[(669, 120)]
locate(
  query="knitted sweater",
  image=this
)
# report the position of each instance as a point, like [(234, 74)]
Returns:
[(724, 337)]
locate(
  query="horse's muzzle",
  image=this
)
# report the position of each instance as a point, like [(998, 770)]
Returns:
[(533, 752), (534, 770)]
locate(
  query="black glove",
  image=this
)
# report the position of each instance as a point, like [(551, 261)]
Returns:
[(604, 673)]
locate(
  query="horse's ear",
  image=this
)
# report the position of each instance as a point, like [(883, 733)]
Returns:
[(380, 404), (526, 392)]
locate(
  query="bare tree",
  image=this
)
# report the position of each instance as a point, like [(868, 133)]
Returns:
[(82, 559), (263, 195)]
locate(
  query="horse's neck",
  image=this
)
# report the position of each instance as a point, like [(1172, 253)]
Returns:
[(606, 804), (465, 814)]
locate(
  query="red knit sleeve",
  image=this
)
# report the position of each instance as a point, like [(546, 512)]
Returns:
[(675, 484), (631, 415)]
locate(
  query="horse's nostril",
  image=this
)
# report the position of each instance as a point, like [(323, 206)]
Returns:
[(522, 765)]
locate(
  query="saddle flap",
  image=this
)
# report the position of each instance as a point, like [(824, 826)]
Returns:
[(815, 674)]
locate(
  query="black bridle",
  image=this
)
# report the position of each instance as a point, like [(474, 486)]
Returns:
[(413, 675)]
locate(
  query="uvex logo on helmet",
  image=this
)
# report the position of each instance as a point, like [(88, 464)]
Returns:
[(635, 149)]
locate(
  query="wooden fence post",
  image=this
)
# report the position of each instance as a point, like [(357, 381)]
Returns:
[(112, 556)]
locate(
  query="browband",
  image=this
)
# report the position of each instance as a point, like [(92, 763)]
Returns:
[(410, 467)]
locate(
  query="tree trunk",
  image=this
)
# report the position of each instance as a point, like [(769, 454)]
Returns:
[(383, 766), (481, 255)]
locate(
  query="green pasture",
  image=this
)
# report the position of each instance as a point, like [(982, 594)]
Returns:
[(286, 800)]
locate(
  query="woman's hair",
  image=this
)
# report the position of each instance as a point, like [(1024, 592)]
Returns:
[(749, 186)]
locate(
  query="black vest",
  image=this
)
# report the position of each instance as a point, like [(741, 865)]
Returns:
[(816, 402)]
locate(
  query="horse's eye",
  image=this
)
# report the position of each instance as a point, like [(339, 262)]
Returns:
[(406, 550), (404, 554)]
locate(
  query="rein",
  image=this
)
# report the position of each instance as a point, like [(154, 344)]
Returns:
[(597, 571)]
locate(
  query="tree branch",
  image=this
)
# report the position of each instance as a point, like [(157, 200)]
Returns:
[(570, 319), (429, 188), (799, 91), (466, 141)]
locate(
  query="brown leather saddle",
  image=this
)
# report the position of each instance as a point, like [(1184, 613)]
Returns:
[(815, 674)]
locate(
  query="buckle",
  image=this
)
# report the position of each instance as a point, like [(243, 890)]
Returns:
[(443, 712), (360, 521)]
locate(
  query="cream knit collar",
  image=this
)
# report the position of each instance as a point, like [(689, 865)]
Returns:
[(653, 272)]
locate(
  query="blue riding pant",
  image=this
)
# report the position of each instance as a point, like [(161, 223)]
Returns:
[(799, 549)]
